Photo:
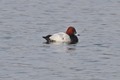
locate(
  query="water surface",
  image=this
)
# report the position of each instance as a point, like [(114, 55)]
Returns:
[(24, 56)]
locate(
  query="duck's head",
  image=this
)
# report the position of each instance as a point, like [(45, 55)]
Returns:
[(71, 31)]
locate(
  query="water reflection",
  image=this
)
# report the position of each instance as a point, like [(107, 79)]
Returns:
[(61, 47)]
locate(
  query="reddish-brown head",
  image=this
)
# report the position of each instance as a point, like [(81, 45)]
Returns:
[(71, 31)]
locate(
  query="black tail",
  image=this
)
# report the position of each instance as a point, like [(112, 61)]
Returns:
[(47, 38)]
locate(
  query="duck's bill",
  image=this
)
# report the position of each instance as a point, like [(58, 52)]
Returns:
[(77, 34)]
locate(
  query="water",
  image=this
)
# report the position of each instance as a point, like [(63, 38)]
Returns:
[(24, 56)]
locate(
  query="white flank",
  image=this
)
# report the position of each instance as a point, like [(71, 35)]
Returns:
[(60, 37)]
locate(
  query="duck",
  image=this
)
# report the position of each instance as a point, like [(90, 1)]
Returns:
[(63, 37)]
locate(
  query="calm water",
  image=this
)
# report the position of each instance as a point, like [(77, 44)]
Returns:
[(24, 56)]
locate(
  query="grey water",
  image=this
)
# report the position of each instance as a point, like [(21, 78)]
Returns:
[(25, 56)]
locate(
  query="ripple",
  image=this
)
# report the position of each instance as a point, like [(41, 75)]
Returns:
[(7, 37), (102, 45), (76, 69), (2, 48)]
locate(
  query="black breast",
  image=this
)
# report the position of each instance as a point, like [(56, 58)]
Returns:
[(74, 39)]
